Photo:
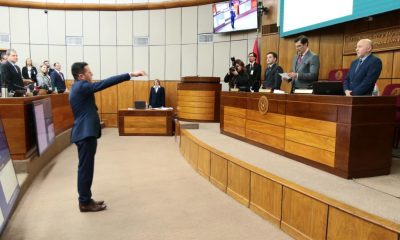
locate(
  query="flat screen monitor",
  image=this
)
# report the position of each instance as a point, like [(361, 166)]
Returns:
[(43, 124), (235, 15), (9, 186), (328, 88)]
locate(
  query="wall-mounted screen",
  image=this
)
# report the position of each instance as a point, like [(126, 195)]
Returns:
[(9, 187), (44, 124), (235, 15), (300, 16)]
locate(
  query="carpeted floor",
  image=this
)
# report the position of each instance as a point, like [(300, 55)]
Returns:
[(151, 192)]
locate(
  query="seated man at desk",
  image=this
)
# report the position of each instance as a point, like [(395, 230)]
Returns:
[(157, 95)]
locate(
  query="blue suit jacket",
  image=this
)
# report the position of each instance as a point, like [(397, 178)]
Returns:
[(363, 81), (57, 81), (81, 99)]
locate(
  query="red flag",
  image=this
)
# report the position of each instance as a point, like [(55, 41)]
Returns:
[(255, 49)]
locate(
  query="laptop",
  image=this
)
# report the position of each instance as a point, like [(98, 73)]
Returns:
[(139, 104), (328, 88)]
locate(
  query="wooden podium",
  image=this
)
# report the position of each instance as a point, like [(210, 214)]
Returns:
[(199, 99), (347, 136)]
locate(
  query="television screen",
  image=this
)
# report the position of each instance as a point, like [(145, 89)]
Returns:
[(9, 187), (235, 15), (43, 124), (301, 16)]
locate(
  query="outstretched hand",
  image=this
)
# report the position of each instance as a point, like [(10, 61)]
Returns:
[(138, 73)]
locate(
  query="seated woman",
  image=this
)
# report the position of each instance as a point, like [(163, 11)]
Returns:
[(29, 71), (43, 78), (238, 77), (157, 95)]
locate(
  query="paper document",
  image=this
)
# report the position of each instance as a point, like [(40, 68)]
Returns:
[(163, 108), (285, 75)]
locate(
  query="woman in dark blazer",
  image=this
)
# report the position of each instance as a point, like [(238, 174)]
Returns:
[(29, 71), (157, 95)]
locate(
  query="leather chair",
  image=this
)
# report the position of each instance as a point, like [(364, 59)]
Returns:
[(394, 90)]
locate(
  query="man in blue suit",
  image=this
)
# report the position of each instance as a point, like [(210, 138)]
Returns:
[(57, 78), (364, 71), (87, 129)]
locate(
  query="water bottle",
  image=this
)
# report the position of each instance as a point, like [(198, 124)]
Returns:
[(375, 92)]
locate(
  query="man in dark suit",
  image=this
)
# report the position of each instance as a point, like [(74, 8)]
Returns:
[(254, 72), (47, 63), (57, 78), (11, 73), (363, 72), (157, 95), (272, 78), (86, 128), (305, 65)]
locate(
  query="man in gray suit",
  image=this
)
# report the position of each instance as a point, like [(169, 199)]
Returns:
[(305, 65)]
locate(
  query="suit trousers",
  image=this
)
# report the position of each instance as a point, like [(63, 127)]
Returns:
[(86, 153)]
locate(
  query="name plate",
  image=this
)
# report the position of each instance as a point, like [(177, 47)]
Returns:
[(234, 89), (383, 40)]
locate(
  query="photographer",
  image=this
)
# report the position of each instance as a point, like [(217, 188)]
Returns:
[(237, 76)]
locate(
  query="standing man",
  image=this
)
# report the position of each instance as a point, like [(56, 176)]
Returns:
[(11, 73), (272, 78), (305, 65), (57, 78), (87, 129), (46, 62), (254, 72), (364, 71)]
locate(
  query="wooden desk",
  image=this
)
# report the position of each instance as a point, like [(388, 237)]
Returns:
[(18, 121), (347, 136), (145, 122), (198, 99)]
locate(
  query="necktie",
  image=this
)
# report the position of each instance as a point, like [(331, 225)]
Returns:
[(358, 64), (299, 59)]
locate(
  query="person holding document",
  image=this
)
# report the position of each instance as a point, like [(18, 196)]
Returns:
[(305, 65), (157, 95), (86, 129)]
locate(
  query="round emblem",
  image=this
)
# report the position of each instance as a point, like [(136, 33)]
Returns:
[(263, 105), (395, 92), (339, 75)]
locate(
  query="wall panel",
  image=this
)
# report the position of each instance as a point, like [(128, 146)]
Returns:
[(91, 27), (173, 26), (108, 29), (189, 25), (19, 32), (157, 27), (124, 28)]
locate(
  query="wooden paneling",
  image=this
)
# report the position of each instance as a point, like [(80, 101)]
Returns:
[(193, 93), (145, 122), (196, 116), (311, 139), (311, 125), (219, 172), (268, 140), (344, 226), (396, 64), (110, 119), (196, 110), (382, 83), (269, 43), (266, 198), (171, 94), (265, 128), (287, 51), (141, 91), (303, 217), (194, 154), (109, 100), (235, 125), (271, 118), (63, 118), (331, 46), (97, 98), (311, 153), (239, 183), (125, 95), (204, 162), (387, 63), (237, 112), (196, 104), (347, 60), (184, 98)]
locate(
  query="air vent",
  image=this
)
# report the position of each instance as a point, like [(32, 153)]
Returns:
[(141, 41), (4, 38), (74, 41), (205, 38)]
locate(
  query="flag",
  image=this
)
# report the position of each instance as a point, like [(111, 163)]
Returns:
[(255, 49)]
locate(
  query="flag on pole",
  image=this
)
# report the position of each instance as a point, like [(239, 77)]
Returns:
[(255, 49)]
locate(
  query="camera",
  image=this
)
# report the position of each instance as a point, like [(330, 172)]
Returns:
[(233, 60)]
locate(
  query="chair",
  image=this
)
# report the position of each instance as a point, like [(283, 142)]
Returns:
[(338, 74), (394, 90)]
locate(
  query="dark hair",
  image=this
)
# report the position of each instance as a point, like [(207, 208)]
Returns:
[(78, 68), (303, 39), (241, 63), (254, 54), (273, 54)]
